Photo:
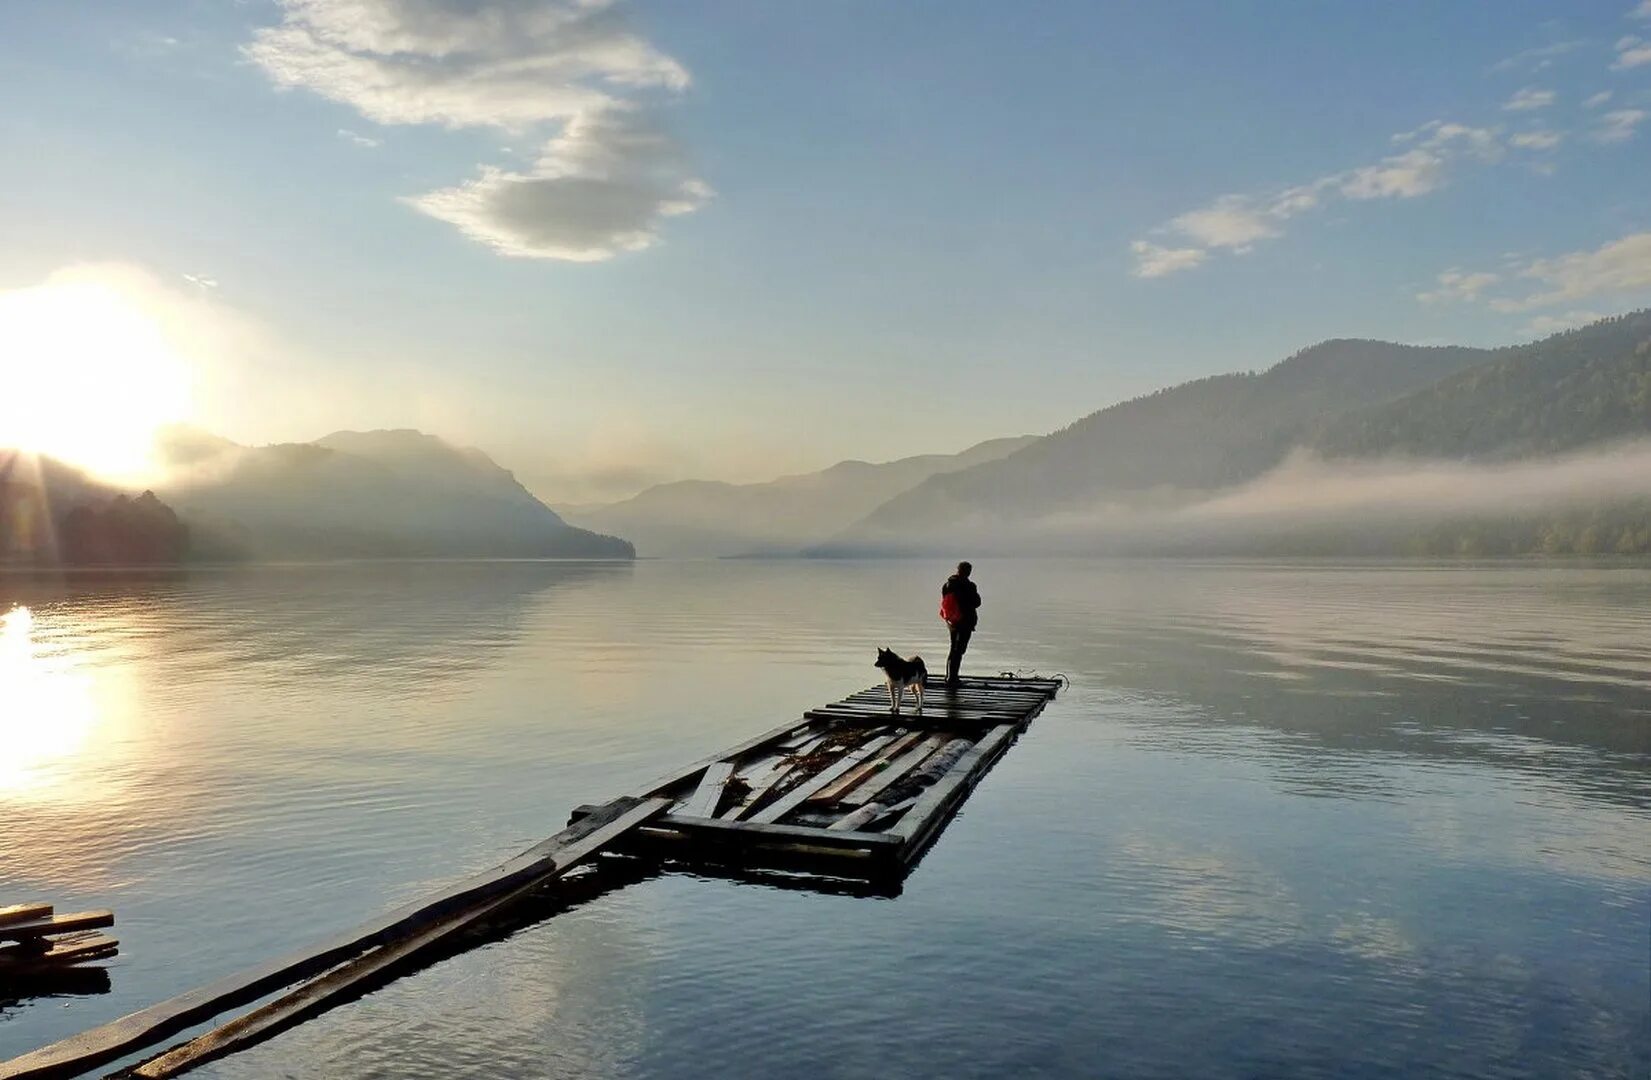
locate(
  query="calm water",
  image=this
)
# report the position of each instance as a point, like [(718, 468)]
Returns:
[(1291, 820)]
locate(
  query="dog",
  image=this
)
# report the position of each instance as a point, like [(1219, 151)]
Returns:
[(900, 674)]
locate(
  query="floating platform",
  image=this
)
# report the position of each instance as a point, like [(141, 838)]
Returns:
[(39, 947), (848, 790)]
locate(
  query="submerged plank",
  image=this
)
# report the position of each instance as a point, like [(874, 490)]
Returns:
[(147, 1026), (69, 949), (316, 996), (896, 771), (671, 779), (844, 783)]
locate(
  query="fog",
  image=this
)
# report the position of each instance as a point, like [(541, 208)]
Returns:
[(1308, 503)]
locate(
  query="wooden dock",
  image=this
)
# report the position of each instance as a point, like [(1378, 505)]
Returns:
[(847, 791)]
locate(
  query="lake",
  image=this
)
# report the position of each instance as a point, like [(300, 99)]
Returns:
[(1302, 819)]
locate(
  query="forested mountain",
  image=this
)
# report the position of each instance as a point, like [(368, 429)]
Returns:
[(1581, 387), (1340, 400), (51, 513), (700, 517), (362, 495), (1197, 436)]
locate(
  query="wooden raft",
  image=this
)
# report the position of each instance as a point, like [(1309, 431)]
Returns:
[(848, 790), (36, 944)]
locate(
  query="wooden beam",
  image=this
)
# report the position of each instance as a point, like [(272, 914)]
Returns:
[(57, 924), (895, 772), (932, 806), (320, 994), (703, 802), (794, 798), (738, 832), (844, 783), (78, 1053), (671, 779), (16, 913)]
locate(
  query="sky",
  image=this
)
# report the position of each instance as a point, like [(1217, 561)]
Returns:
[(619, 243)]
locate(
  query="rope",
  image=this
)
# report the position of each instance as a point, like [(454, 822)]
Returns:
[(1030, 673)]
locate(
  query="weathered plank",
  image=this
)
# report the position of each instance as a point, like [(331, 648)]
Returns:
[(57, 924), (671, 779), (703, 802), (794, 798), (932, 806), (69, 949), (844, 783), (896, 771), (16, 913), (319, 994), (147, 1026), (741, 831)]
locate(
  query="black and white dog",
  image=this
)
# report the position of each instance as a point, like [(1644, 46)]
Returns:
[(902, 673)]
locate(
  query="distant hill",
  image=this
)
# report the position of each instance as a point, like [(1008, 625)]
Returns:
[(51, 513), (710, 518), (365, 494)]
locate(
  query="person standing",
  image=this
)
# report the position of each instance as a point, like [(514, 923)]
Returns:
[(959, 607)]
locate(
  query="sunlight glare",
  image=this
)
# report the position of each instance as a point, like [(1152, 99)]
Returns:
[(89, 376), (47, 711)]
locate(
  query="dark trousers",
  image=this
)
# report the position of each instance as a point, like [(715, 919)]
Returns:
[(961, 633)]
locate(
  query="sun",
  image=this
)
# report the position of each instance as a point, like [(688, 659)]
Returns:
[(87, 375)]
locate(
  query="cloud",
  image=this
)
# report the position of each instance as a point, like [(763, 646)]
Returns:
[(1618, 125), (1621, 266), (1642, 11), (1153, 261), (1538, 58), (1544, 325), (1597, 100), (359, 139), (201, 281), (1631, 53), (571, 71), (598, 189), (1529, 98), (1457, 285), (1236, 222), (1536, 140)]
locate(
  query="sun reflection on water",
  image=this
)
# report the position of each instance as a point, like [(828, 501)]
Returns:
[(47, 709)]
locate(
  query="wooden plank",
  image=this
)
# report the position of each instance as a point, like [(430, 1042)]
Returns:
[(16, 913), (794, 798), (847, 781), (671, 779), (147, 1026), (57, 924), (933, 804), (70, 949), (896, 771), (703, 802), (740, 832), (775, 776), (319, 994)]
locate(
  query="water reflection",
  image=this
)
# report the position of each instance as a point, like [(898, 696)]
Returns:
[(48, 712)]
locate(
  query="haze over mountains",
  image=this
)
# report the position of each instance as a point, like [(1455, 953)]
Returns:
[(708, 517), (1345, 447)]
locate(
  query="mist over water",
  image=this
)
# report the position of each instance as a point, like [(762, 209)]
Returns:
[(1309, 818)]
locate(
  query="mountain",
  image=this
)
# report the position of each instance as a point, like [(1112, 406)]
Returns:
[(1580, 387), (356, 494), (53, 513), (707, 518), (1341, 400)]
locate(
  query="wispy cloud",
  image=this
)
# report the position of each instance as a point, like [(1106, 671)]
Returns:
[(1536, 140), (1528, 99), (1236, 222), (1618, 125), (1596, 100), (1621, 267), (571, 71), (1544, 325), (1632, 52), (1153, 261), (356, 138), (1538, 58), (1458, 285)]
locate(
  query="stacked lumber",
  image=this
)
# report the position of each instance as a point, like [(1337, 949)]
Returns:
[(35, 941)]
